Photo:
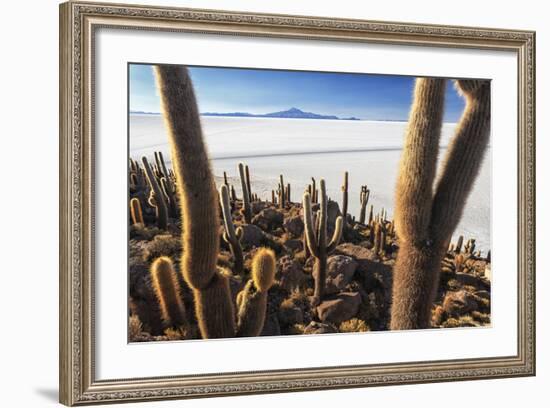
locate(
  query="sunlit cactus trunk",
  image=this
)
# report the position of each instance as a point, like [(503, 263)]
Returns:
[(425, 220)]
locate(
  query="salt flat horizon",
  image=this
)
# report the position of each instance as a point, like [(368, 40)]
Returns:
[(321, 148)]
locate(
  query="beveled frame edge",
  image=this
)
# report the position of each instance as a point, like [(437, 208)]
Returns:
[(77, 24)]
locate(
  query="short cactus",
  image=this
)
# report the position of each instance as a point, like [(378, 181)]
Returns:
[(317, 240), (135, 211), (252, 300), (168, 293), (231, 236)]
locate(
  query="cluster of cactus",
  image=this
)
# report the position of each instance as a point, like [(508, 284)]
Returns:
[(425, 220), (214, 307), (283, 193), (458, 256), (315, 230), (160, 183), (247, 198)]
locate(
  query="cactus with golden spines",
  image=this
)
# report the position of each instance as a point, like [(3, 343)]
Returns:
[(273, 200), (231, 236), (156, 196), (246, 210), (425, 220), (316, 239), (168, 292), (135, 211), (252, 300), (233, 194), (198, 201)]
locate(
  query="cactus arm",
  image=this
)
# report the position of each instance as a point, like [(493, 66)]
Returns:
[(418, 161), (337, 235), (309, 229), (168, 292), (463, 159), (135, 211)]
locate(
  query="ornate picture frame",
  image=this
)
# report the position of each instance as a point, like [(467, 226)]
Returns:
[(79, 22)]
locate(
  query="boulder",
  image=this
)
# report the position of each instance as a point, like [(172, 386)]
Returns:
[(459, 303), (294, 225), (252, 235), (343, 307), (268, 219), (340, 271), (289, 273), (289, 313)]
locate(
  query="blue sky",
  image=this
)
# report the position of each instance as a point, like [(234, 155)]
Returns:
[(365, 96)]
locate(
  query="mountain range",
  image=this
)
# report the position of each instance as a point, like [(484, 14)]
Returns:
[(292, 113)]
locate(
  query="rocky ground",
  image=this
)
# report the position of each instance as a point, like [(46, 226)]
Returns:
[(358, 284)]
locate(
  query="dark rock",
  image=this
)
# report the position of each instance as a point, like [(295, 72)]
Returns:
[(343, 307), (294, 245), (467, 279), (290, 274), (340, 270), (289, 313), (268, 219), (258, 206), (252, 235), (294, 225), (459, 303)]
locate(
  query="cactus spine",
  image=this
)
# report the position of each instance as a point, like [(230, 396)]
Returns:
[(246, 209), (252, 300), (156, 197), (198, 203), (317, 240), (135, 211), (167, 290), (232, 237), (424, 221)]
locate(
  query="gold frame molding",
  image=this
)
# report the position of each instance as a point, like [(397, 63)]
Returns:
[(78, 22)]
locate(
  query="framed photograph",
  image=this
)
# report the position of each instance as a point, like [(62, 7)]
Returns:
[(258, 203)]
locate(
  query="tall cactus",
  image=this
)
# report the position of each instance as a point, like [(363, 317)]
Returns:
[(156, 198), (345, 197), (317, 240), (252, 300), (363, 200), (246, 209), (168, 292), (231, 236), (425, 220), (198, 203)]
